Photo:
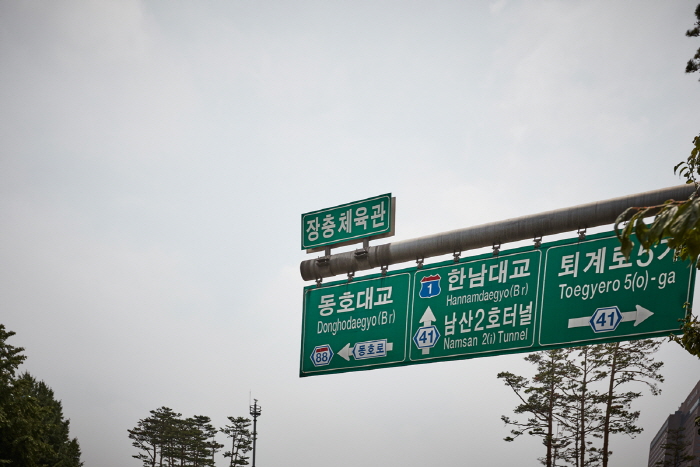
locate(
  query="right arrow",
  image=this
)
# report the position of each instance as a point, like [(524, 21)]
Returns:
[(638, 316)]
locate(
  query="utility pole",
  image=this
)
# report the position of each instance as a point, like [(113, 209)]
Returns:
[(255, 412)]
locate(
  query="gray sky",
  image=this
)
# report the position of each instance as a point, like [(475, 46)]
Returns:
[(155, 158)]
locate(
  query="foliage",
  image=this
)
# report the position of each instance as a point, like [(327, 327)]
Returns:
[(166, 439), (583, 419), (33, 431), (63, 451), (10, 358), (676, 449), (676, 222), (542, 398), (241, 440), (624, 363), (145, 437), (205, 445), (690, 339), (693, 64), (580, 395)]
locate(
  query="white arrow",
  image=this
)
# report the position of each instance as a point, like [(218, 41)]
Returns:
[(428, 317), (427, 320), (345, 352), (638, 316)]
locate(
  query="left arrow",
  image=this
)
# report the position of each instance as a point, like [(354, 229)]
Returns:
[(345, 352), (368, 349)]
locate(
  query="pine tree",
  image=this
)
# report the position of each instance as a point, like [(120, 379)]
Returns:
[(676, 449), (581, 395), (624, 363), (542, 398), (241, 440), (166, 424), (145, 437), (167, 440), (206, 445), (157, 437), (693, 64), (197, 437), (583, 415)]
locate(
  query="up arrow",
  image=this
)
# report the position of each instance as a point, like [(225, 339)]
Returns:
[(427, 322), (637, 316), (428, 317)]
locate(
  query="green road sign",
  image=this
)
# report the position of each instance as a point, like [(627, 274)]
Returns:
[(356, 325), (348, 223), (565, 294), (475, 307), (591, 293)]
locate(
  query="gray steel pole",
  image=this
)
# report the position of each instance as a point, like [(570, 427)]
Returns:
[(495, 233), (255, 411)]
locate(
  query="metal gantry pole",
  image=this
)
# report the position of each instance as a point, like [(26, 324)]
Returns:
[(255, 411), (496, 233)]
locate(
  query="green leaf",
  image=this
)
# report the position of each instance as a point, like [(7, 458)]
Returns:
[(683, 218), (621, 219), (626, 243), (642, 233), (661, 222)]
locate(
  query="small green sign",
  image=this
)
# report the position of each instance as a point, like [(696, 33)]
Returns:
[(566, 293), (348, 223)]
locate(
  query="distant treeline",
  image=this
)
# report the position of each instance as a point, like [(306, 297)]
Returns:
[(165, 439)]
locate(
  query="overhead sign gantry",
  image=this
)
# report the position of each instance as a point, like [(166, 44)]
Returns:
[(559, 294)]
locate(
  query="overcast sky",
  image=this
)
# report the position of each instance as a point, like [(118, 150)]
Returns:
[(155, 158)]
